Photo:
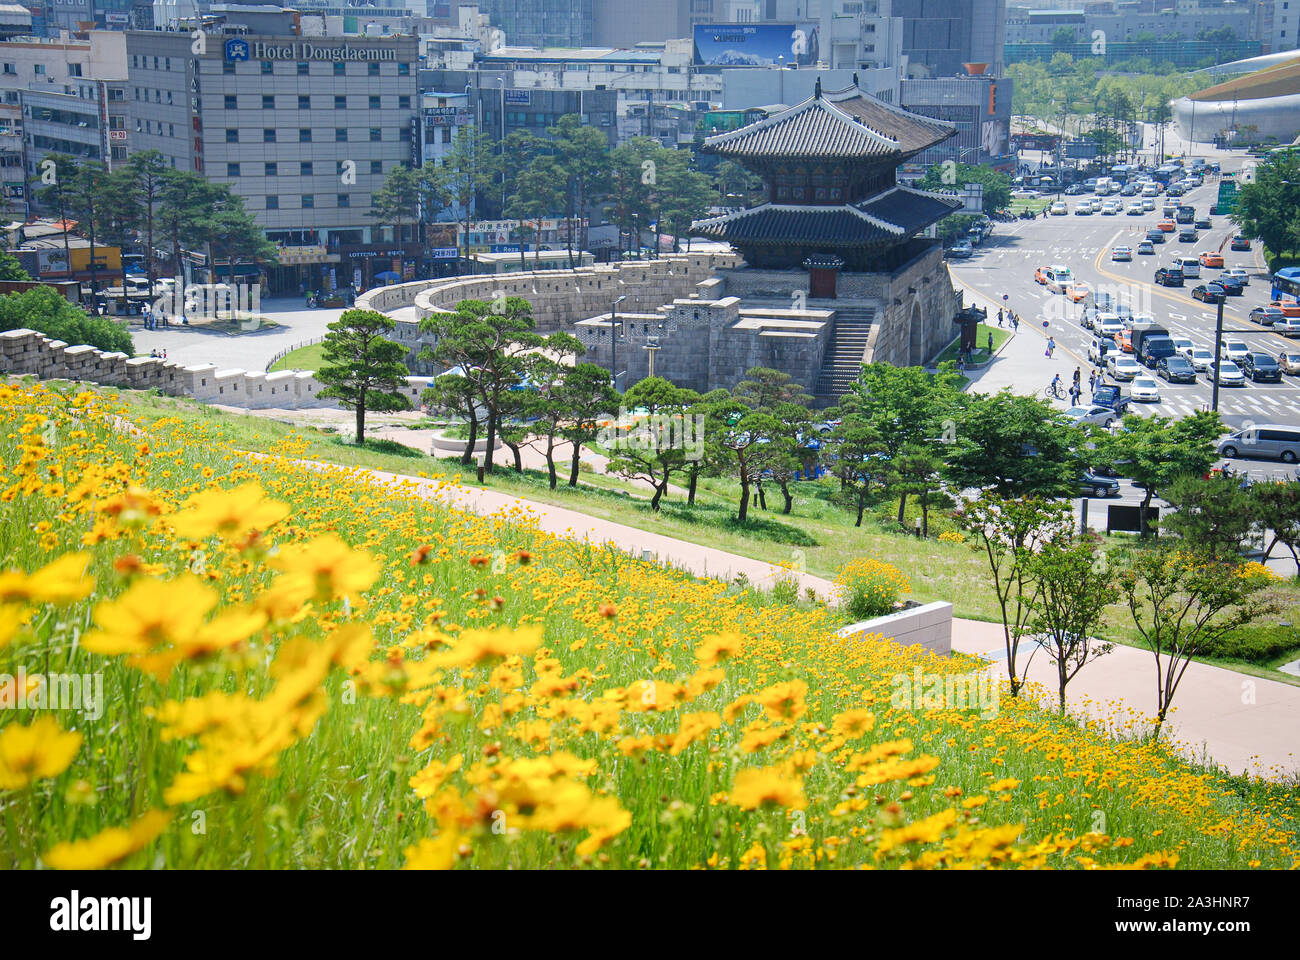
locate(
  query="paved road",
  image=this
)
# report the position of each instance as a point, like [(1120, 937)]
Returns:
[(250, 350)]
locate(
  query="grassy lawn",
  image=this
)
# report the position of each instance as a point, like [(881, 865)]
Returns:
[(1038, 206), (1000, 336), (310, 357), (819, 533)]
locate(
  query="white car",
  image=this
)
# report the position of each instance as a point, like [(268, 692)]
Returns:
[(1145, 390), (1183, 347), (1228, 375), (1234, 350), (1135, 210), (1148, 205), (1288, 327), (1123, 367), (1240, 273), (1122, 254), (1058, 209), (1109, 326), (1109, 209), (1023, 194), (1201, 359), (1150, 190)]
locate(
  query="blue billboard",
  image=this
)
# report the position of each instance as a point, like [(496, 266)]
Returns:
[(755, 44)]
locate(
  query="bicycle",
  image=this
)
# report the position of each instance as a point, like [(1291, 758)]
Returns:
[(1053, 392)]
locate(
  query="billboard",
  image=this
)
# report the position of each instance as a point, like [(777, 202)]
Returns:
[(755, 44)]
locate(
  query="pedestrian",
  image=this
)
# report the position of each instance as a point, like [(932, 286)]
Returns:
[(990, 343), (999, 318), (1051, 346), (1077, 376), (164, 353), (1092, 381), (961, 361)]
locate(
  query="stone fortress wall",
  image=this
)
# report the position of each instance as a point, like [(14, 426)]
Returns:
[(28, 353)]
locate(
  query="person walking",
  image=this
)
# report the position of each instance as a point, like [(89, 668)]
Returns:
[(1077, 376), (999, 318), (1051, 347), (990, 341), (1092, 381), (1015, 322)]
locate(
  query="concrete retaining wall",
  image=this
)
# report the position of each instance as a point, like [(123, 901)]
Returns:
[(929, 626)]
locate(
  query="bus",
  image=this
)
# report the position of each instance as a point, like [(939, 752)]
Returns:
[(1286, 285)]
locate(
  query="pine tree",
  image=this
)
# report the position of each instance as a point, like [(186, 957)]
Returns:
[(363, 369)]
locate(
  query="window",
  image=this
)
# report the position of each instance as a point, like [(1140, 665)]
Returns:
[(272, 169), (304, 134), (404, 134), (446, 134), (374, 102), (345, 200), (303, 69), (228, 68), (268, 135), (305, 171), (273, 203), (268, 68), (372, 69), (74, 69), (376, 135), (232, 169), (308, 201), (340, 102), (340, 134), (403, 69), (11, 69), (135, 62), (404, 102), (40, 69), (340, 69), (377, 167), (268, 101), (232, 135), (232, 102)]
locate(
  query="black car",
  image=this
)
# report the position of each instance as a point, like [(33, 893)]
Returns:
[(1176, 370), (1204, 224), (1210, 293), (1169, 277), (1156, 235), (1188, 235), (1240, 243), (1074, 190), (1232, 286), (1092, 484), (1261, 367)]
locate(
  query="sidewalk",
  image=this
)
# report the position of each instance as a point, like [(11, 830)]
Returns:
[(1242, 722)]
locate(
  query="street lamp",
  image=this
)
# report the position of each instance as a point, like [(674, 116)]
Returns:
[(613, 339), (501, 82)]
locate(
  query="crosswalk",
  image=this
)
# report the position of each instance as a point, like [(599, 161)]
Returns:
[(1283, 407)]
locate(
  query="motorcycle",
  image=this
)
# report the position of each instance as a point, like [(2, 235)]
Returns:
[(1027, 215)]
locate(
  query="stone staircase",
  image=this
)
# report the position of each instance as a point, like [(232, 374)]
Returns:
[(843, 360)]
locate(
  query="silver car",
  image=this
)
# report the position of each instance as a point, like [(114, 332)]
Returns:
[(1269, 441), (1100, 416)]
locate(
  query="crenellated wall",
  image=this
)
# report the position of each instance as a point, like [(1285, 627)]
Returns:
[(28, 353)]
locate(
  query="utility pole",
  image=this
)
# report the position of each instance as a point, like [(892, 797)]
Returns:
[(1218, 345)]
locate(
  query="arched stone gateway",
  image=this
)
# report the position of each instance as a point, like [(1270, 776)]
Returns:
[(916, 336)]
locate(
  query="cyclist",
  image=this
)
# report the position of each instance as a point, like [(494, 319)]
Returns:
[(1055, 388)]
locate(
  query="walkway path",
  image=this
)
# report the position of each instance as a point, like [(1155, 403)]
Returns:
[(1244, 723)]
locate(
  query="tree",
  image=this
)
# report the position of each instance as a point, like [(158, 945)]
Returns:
[(916, 472), (1277, 508), (487, 341), (997, 186), (1015, 444), (363, 369), (121, 213), (1155, 450), (46, 311), (1010, 531), (537, 195), (685, 197), (227, 225), (544, 374), (468, 167), (1075, 586), (10, 268), (149, 170), (856, 452), (64, 171), (653, 452), (1216, 513), (743, 433), (185, 201), (631, 184), (1266, 208), (397, 200), (455, 394), (1182, 603), (1063, 37), (584, 156), (583, 396), (735, 183)]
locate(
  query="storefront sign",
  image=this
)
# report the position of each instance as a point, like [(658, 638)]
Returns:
[(239, 49)]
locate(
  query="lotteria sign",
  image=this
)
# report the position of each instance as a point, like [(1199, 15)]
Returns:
[(238, 48)]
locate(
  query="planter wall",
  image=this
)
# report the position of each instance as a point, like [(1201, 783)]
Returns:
[(928, 625)]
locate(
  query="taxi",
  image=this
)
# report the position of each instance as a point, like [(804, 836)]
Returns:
[(1289, 308), (1166, 226), (1124, 339), (1211, 259), (1078, 291), (1056, 277)]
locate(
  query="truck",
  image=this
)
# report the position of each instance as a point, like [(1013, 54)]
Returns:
[(1108, 395), (1151, 342), (1186, 213)]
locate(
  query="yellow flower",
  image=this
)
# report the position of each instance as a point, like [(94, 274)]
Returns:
[(35, 752), (718, 647), (61, 582), (784, 701), (479, 646), (433, 854), (760, 786), (150, 614), (429, 780), (326, 568), (232, 514), (108, 846), (694, 726)]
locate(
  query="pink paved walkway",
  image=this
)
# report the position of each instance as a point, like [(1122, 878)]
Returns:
[(1242, 722)]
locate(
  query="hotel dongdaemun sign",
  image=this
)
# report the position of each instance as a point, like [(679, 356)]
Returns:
[(239, 49)]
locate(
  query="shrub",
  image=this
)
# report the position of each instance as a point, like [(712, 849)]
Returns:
[(870, 588), (45, 311), (951, 536)]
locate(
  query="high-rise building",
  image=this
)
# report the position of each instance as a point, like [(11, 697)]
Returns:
[(939, 36), (1279, 25), (544, 23)]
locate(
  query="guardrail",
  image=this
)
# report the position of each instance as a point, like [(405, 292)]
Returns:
[(288, 350)]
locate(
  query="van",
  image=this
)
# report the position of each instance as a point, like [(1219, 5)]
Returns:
[(1191, 266), (1263, 441)]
